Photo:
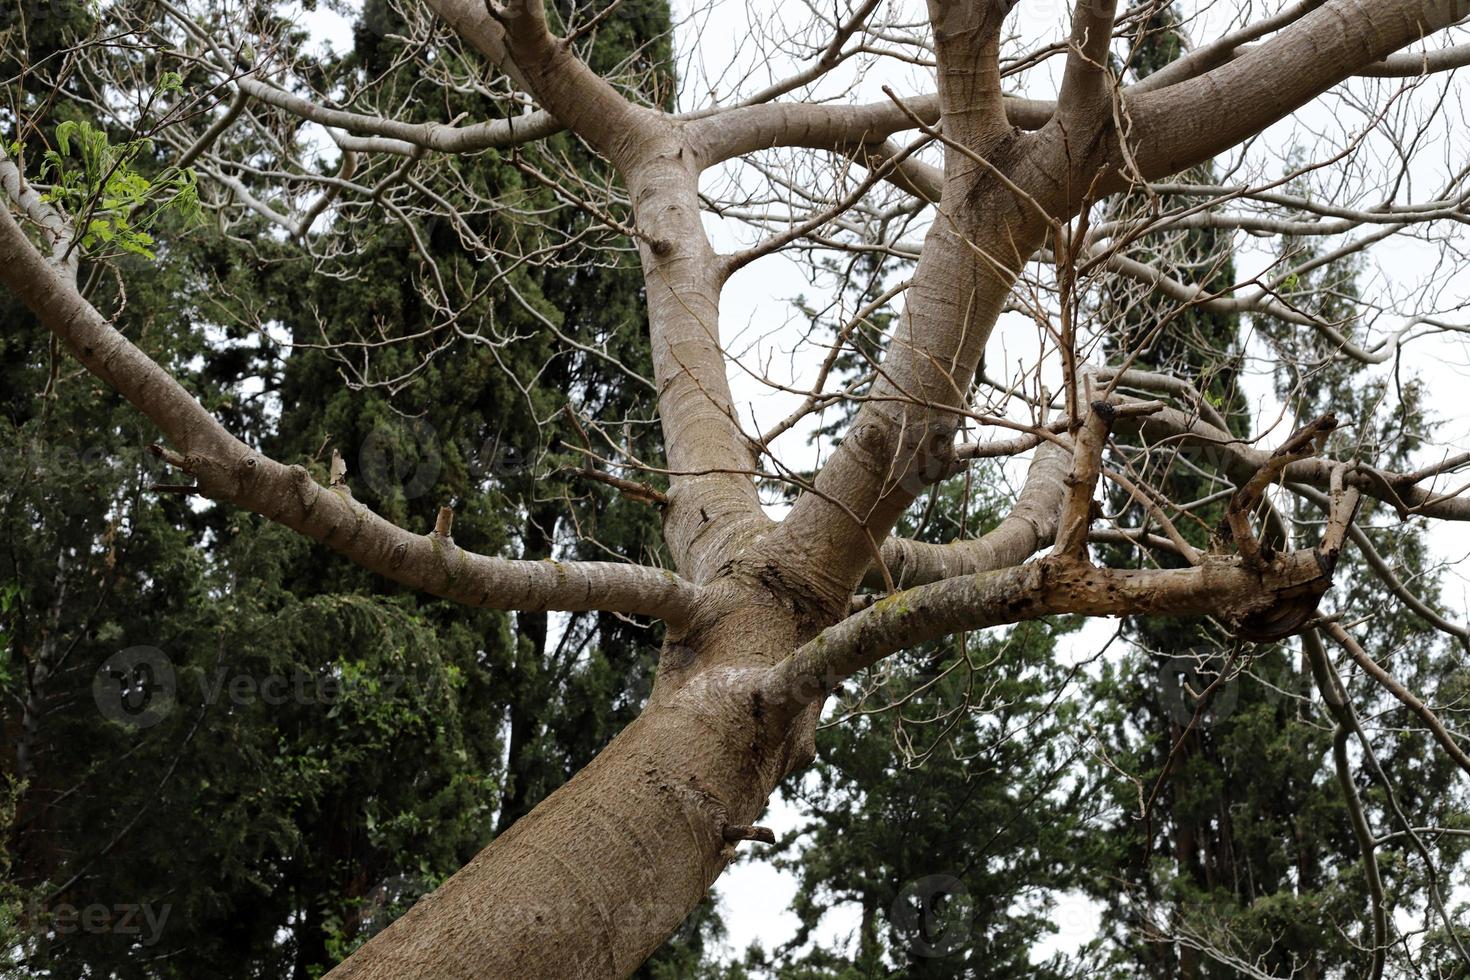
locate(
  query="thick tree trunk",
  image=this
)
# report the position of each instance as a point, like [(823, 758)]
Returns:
[(592, 880)]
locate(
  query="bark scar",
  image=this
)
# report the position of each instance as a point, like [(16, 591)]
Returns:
[(730, 833)]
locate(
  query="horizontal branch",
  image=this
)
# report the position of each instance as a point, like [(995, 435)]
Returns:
[(1222, 587), (494, 134), (228, 470), (1404, 64), (1239, 460), (735, 132), (1411, 64)]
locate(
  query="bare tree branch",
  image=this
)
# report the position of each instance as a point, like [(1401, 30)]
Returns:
[(226, 469)]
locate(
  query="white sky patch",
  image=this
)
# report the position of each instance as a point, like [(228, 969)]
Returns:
[(331, 28)]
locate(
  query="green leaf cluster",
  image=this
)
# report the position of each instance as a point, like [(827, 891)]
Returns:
[(98, 185)]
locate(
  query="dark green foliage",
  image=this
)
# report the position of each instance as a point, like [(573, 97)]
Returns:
[(334, 747), (943, 806), (1246, 853)]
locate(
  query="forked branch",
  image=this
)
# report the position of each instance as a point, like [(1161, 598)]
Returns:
[(1302, 444)]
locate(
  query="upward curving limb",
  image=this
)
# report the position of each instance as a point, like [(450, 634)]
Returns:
[(1408, 698), (712, 498), (902, 438), (517, 39), (1179, 125), (1085, 89), (226, 469), (1029, 527)]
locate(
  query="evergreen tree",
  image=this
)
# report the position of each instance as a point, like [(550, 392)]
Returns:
[(1188, 886), (942, 807), (320, 749)]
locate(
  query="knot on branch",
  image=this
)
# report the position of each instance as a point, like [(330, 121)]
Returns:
[(247, 471), (1236, 526), (1106, 410), (304, 487), (1293, 607)]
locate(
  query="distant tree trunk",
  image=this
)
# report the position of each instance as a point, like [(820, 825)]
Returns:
[(1186, 840), (524, 703), (310, 931)]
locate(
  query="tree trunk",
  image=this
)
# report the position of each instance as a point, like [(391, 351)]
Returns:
[(592, 881), (311, 937)]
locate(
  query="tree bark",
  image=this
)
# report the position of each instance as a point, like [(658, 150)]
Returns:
[(595, 878)]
